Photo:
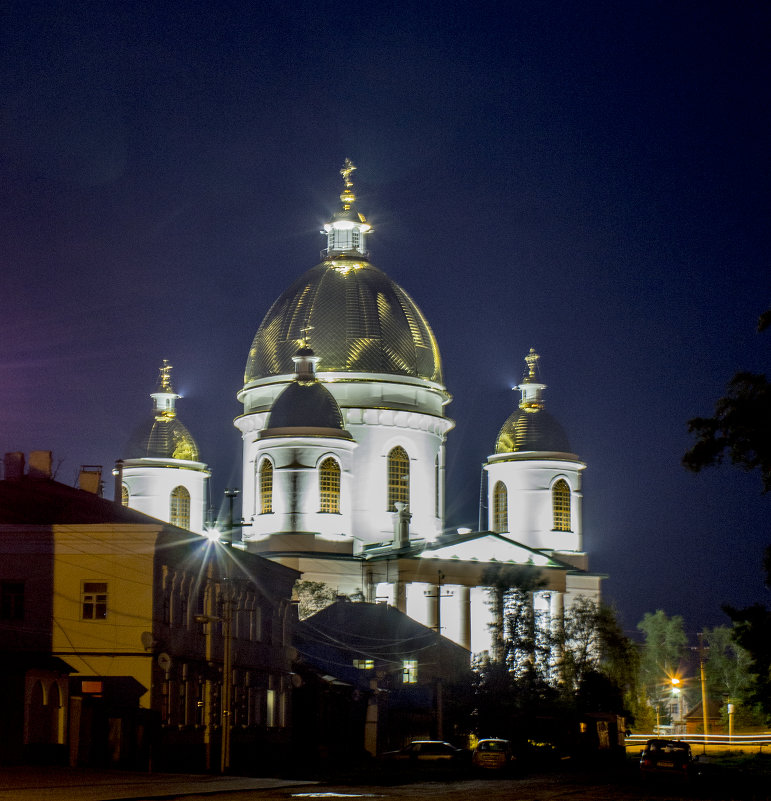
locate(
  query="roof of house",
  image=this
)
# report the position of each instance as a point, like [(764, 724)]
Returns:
[(42, 501)]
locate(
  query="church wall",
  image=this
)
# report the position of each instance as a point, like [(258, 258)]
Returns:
[(529, 499), (296, 491), (150, 485)]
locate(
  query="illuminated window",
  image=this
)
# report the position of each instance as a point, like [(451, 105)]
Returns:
[(500, 508), (329, 485), (124, 495), (410, 671), (180, 507), (398, 477), (266, 487), (364, 664), (560, 498), (12, 600), (94, 600)]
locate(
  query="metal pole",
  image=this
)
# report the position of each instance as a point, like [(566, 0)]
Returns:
[(227, 674), (703, 690)]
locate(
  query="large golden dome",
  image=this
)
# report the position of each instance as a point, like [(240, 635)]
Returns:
[(357, 320)]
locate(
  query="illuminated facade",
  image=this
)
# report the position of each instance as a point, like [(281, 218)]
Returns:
[(160, 474), (344, 432)]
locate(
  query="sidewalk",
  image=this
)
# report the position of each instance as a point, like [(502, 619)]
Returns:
[(26, 783)]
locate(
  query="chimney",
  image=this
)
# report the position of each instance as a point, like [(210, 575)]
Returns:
[(40, 464), (14, 465), (117, 474), (90, 478)]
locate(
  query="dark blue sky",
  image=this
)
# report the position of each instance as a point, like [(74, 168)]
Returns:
[(589, 179)]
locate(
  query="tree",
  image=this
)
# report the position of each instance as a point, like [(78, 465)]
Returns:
[(729, 675), (740, 428), (662, 655), (312, 597)]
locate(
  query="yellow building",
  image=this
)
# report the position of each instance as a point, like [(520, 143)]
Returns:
[(172, 641)]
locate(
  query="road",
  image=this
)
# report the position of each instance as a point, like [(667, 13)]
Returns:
[(537, 787)]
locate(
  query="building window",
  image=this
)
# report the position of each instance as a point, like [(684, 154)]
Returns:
[(124, 495), (560, 497), (410, 671), (398, 477), (94, 604), (329, 485), (500, 508), (180, 507), (266, 487), (364, 664), (12, 600)]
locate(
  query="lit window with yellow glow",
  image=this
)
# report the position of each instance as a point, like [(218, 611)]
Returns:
[(266, 487), (410, 671), (180, 507), (364, 664), (329, 486), (94, 600), (500, 508), (398, 477), (124, 495), (560, 497)]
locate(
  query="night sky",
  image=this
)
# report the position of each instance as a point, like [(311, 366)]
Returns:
[(589, 179)]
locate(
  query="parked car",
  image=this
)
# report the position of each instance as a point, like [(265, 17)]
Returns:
[(493, 754), (667, 757), (430, 753)]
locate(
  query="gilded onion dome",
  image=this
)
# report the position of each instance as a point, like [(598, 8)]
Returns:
[(305, 407), (362, 321), (530, 427), (163, 436)]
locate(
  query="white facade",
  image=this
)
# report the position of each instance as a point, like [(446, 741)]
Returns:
[(149, 484)]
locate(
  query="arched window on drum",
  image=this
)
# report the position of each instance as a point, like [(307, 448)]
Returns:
[(560, 498), (398, 477)]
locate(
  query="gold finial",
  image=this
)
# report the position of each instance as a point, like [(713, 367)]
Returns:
[(348, 168), (164, 380), (347, 196), (306, 329), (532, 363)]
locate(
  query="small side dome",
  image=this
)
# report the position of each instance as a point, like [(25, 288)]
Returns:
[(531, 431), (163, 436), (305, 406), (530, 428), (162, 439)]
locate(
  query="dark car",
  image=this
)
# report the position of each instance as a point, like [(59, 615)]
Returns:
[(492, 754), (667, 757), (430, 753)]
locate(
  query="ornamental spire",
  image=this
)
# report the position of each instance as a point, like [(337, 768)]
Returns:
[(348, 228), (164, 396), (531, 388)]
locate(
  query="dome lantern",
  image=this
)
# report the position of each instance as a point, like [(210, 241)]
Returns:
[(531, 388), (164, 396), (348, 228)]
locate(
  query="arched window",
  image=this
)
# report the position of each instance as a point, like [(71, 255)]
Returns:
[(398, 477), (124, 495), (180, 507), (329, 486), (560, 501), (266, 487), (500, 508)]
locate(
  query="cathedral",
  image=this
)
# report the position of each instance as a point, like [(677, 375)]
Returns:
[(344, 430)]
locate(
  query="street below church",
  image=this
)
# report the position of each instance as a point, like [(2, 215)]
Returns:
[(624, 785)]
